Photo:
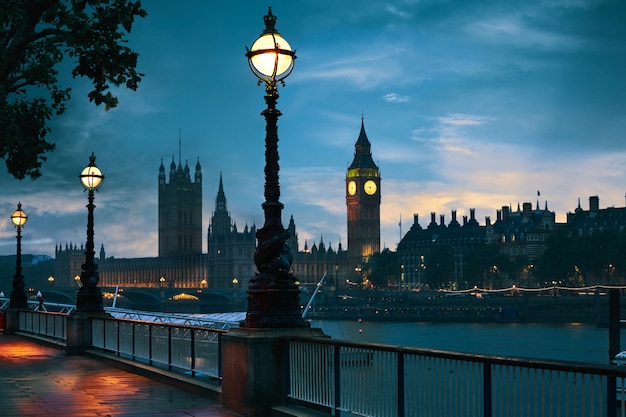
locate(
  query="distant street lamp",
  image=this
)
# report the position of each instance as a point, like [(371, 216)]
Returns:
[(273, 295), (89, 297), (162, 281), (18, 295), (51, 280)]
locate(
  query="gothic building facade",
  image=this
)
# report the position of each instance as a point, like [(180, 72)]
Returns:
[(229, 261), (230, 252), (180, 211)]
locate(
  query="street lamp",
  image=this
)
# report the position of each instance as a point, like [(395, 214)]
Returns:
[(89, 296), (18, 295), (273, 293)]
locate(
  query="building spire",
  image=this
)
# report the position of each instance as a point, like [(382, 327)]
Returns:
[(220, 200), (363, 151), (179, 147)]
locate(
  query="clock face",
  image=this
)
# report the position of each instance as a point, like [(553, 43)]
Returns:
[(369, 187), (352, 188)]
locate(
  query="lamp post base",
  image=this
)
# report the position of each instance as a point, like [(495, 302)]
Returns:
[(273, 306), (89, 300), (18, 300)]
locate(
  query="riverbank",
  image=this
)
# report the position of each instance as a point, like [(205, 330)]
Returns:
[(526, 309)]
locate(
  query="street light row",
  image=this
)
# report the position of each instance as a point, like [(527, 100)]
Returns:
[(87, 300)]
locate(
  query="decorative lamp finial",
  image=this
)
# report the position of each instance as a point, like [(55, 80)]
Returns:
[(270, 22)]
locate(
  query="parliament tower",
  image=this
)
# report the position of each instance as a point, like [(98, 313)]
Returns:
[(180, 211), (363, 201)]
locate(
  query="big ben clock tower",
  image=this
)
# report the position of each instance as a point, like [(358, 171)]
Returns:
[(363, 201)]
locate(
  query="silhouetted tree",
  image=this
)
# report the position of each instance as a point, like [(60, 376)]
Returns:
[(477, 263), (584, 260), (384, 268), (36, 35)]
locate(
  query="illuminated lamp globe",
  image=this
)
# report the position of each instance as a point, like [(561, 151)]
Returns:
[(91, 176), (271, 57), (18, 217)]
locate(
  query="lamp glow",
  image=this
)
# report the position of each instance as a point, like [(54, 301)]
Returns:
[(18, 217), (271, 57), (91, 176)]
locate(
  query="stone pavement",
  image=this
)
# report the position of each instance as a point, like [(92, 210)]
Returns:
[(37, 380)]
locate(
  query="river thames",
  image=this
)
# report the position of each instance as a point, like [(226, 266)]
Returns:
[(571, 342)]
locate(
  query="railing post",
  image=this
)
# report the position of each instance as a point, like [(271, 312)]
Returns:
[(117, 328), (487, 389), (611, 396), (169, 348), (132, 336), (193, 353), (337, 368), (286, 343), (104, 333), (150, 343), (400, 384), (219, 357)]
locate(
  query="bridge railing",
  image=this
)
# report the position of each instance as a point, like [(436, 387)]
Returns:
[(385, 381), (193, 350)]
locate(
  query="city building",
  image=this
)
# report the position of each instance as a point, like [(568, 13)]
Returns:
[(522, 233), (418, 244), (586, 222)]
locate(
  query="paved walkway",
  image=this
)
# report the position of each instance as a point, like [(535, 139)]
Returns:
[(38, 380)]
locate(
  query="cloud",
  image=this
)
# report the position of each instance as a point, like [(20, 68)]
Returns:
[(395, 98)]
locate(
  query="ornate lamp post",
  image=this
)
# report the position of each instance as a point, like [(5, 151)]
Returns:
[(273, 292), (18, 295), (89, 296)]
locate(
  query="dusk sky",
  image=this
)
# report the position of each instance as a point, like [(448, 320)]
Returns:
[(467, 104)]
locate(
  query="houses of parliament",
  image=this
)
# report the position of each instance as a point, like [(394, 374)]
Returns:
[(229, 262), (517, 234)]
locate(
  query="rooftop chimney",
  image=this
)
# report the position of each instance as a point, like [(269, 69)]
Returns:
[(594, 203)]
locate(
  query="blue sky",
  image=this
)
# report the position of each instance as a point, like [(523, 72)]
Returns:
[(467, 105)]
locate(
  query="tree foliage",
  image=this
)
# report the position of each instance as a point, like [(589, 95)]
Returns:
[(384, 268), (35, 36), (585, 260)]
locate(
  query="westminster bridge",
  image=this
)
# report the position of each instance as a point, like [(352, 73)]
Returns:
[(187, 300)]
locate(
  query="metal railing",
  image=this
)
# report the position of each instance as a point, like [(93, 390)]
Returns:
[(52, 325), (179, 347), (390, 381), (193, 350), (371, 379)]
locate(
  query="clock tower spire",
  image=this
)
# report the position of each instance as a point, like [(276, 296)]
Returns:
[(363, 202)]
